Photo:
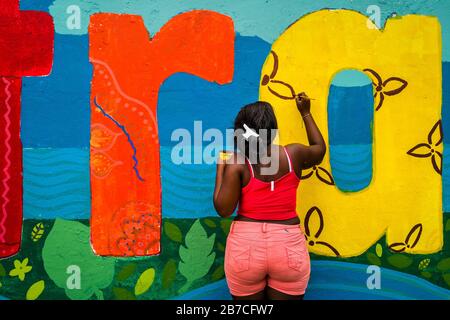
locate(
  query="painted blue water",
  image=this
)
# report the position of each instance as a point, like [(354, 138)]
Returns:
[(56, 183), (331, 280), (187, 189), (351, 166)]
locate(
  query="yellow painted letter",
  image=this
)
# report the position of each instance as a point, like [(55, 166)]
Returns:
[(404, 198)]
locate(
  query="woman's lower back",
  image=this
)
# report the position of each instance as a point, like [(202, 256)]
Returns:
[(291, 221)]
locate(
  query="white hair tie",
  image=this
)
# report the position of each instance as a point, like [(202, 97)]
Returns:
[(249, 133)]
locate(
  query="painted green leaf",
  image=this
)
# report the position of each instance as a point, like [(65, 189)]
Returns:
[(373, 259), (220, 247), (2, 271), (426, 274), (126, 272), (447, 225), (35, 290), (218, 273), (447, 279), (424, 264), (197, 256), (144, 282), (37, 232), (444, 265), (173, 232), (400, 261), (169, 273), (225, 224), (123, 294), (68, 245), (210, 223), (379, 250)]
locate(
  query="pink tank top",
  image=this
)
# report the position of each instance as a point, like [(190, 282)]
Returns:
[(272, 200)]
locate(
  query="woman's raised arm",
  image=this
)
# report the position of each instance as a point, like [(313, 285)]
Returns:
[(308, 156)]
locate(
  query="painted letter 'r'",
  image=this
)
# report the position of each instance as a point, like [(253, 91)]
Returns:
[(129, 68)]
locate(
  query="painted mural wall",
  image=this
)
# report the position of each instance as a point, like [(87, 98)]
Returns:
[(93, 205)]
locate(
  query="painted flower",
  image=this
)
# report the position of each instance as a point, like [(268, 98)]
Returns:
[(21, 268), (278, 88), (140, 229), (388, 87), (313, 239), (139, 238), (410, 241), (429, 149), (321, 173)]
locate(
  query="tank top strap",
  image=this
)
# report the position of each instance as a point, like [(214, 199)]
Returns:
[(289, 159), (250, 167)]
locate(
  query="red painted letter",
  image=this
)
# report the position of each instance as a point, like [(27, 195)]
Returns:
[(26, 49)]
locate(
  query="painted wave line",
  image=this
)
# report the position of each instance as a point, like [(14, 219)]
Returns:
[(81, 205), (353, 170), (42, 166), (348, 179), (206, 197), (168, 181), (66, 196), (57, 190), (7, 176), (57, 184), (189, 176), (52, 177)]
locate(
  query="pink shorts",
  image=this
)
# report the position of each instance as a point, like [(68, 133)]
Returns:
[(260, 254)]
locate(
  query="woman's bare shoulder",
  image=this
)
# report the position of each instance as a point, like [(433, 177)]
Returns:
[(295, 147), (296, 151)]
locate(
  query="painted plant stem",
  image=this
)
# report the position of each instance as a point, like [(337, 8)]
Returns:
[(99, 295), (185, 287)]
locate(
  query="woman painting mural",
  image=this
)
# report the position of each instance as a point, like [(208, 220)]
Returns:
[(266, 254)]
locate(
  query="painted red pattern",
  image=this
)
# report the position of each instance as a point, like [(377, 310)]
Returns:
[(26, 49)]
